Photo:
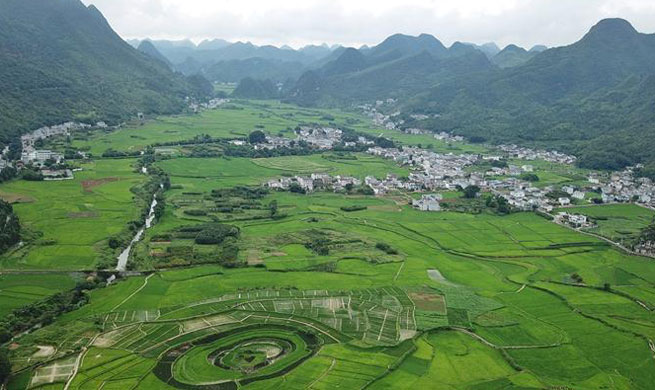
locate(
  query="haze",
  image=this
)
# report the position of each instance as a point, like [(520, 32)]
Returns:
[(300, 22)]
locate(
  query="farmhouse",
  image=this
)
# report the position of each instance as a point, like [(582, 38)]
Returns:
[(428, 202)]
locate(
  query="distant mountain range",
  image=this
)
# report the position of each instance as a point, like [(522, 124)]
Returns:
[(61, 61), (223, 61)]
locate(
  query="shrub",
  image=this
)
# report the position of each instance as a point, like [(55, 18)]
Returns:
[(350, 209), (386, 248), (195, 212), (257, 137), (216, 234)]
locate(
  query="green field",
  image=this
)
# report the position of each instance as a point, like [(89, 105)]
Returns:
[(68, 221), (322, 290), (618, 222)]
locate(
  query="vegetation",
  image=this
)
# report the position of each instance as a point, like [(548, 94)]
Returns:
[(213, 234), (5, 366), (10, 229), (110, 81), (401, 297)]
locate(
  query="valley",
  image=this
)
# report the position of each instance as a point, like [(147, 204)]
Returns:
[(372, 285), (219, 195)]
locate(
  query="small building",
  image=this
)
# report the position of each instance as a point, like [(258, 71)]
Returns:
[(428, 202)]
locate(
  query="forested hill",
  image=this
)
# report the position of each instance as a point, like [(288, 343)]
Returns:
[(595, 98), (61, 61), (398, 67)]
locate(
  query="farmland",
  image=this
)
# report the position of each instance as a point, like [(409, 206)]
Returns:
[(240, 286), (620, 222)]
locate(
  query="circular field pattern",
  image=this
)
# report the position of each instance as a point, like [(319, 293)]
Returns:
[(252, 355), (239, 356)]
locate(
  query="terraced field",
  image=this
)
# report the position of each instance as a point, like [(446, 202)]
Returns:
[(302, 294)]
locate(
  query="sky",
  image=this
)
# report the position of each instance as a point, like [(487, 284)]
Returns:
[(357, 22)]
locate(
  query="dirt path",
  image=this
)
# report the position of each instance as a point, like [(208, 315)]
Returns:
[(399, 270), (521, 289), (334, 362), (616, 244), (494, 346), (384, 321), (145, 283), (79, 361)]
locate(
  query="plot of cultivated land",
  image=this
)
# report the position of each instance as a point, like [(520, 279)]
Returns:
[(428, 301), (110, 338), (195, 324), (132, 316), (58, 371), (435, 275), (19, 290), (75, 216), (617, 222), (378, 316), (44, 351)]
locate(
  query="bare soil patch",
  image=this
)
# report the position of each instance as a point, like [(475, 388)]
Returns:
[(89, 185), (84, 214), (428, 301), (16, 198), (44, 351)]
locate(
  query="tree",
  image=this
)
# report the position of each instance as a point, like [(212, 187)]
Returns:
[(530, 177), (296, 188), (471, 192), (10, 229), (5, 366), (5, 335), (273, 207), (257, 137)]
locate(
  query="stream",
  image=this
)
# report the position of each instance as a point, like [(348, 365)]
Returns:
[(125, 254)]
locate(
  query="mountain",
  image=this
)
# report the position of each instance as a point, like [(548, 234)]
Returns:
[(257, 68), (399, 45), (213, 44), (250, 88), (222, 61), (399, 66), (148, 48), (61, 61), (594, 98), (489, 48), (538, 48), (511, 56)]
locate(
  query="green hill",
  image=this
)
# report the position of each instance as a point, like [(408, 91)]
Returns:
[(594, 98), (512, 55), (398, 67), (62, 61)]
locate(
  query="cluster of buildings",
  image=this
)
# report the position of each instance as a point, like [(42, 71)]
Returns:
[(317, 181), (433, 171), (646, 248), (624, 187), (324, 138), (39, 157), (574, 220), (210, 105), (428, 202), (523, 153), (320, 137)]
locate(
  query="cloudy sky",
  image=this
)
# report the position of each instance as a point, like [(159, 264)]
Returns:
[(356, 22)]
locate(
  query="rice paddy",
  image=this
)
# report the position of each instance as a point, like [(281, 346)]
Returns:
[(309, 298)]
